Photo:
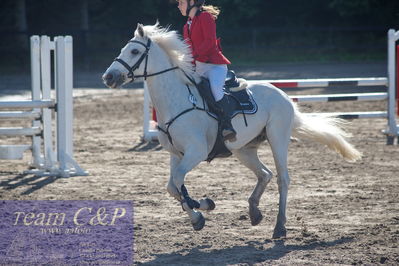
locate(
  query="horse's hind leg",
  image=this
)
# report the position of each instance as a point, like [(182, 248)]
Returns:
[(278, 135), (249, 157)]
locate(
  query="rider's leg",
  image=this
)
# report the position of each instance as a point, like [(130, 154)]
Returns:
[(217, 75), (226, 109)]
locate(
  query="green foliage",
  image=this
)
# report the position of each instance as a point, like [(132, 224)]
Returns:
[(51, 15), (368, 12), (274, 28), (354, 7)]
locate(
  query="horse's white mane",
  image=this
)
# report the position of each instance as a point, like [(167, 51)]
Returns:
[(172, 43)]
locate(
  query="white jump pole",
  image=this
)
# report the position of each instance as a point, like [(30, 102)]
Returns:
[(376, 96), (28, 104), (20, 114), (323, 83), (20, 131)]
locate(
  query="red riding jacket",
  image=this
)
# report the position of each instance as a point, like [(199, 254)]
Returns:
[(201, 36)]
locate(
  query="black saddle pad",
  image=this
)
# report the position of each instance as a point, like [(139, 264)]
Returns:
[(244, 102), (242, 99)]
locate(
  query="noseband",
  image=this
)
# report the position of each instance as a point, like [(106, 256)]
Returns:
[(131, 69)]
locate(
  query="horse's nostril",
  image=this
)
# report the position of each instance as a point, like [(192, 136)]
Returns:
[(109, 76)]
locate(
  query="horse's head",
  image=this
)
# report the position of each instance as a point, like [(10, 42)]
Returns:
[(167, 52), (131, 62)]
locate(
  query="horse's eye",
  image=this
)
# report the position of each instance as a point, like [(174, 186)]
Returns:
[(135, 51)]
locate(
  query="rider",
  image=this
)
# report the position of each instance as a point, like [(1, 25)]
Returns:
[(200, 33)]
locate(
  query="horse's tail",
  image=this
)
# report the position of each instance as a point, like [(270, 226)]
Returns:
[(325, 130)]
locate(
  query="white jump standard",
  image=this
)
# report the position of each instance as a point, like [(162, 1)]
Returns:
[(45, 159)]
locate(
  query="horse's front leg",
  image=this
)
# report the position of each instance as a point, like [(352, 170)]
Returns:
[(203, 204), (171, 188), (179, 169)]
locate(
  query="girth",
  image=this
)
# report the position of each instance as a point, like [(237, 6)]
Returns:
[(170, 122)]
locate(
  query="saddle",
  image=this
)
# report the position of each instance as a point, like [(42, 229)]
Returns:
[(241, 99)]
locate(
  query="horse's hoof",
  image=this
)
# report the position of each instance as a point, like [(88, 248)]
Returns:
[(207, 204), (279, 233), (211, 204), (256, 220), (199, 224), (255, 215)]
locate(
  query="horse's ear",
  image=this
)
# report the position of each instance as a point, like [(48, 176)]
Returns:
[(140, 30)]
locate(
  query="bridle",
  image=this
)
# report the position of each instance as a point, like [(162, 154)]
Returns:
[(143, 57)]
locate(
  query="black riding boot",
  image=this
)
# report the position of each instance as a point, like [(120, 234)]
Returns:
[(225, 111)]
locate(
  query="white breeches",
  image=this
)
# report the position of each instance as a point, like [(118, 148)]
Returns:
[(216, 75)]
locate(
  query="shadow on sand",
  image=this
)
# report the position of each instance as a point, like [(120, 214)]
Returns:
[(252, 252), (30, 181), (146, 146)]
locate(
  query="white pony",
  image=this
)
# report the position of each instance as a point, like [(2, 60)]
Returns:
[(189, 133)]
